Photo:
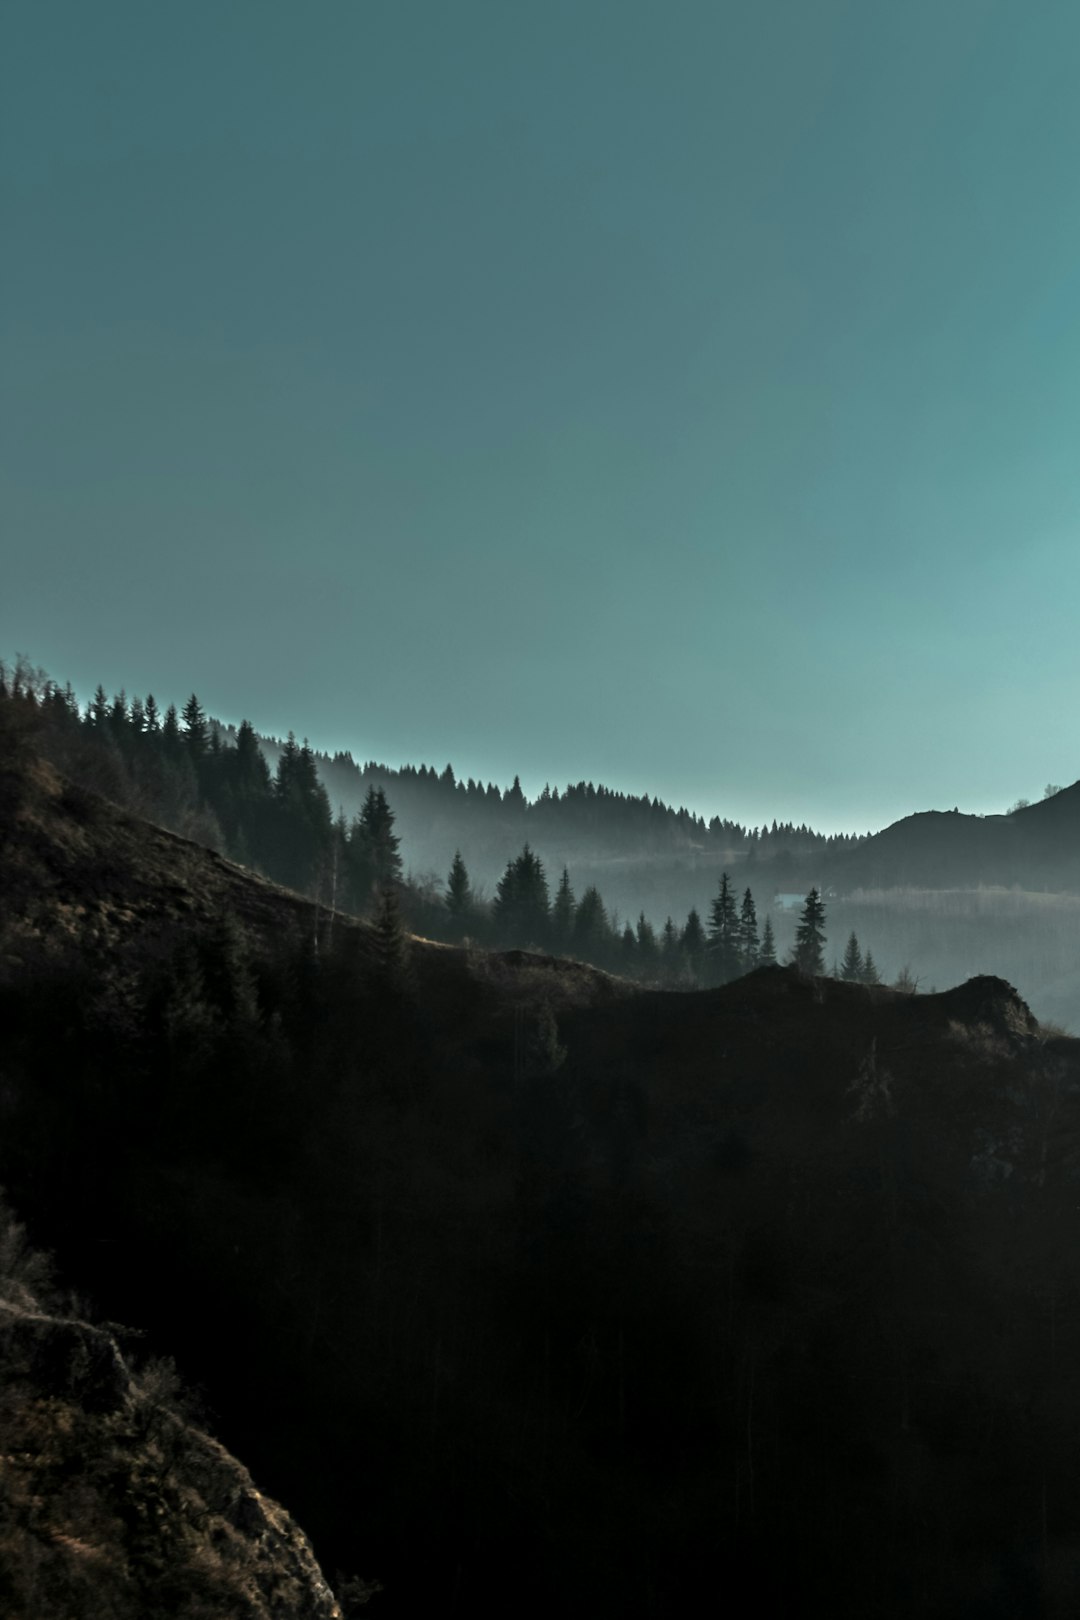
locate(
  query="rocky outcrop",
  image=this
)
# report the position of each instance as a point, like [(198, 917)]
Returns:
[(989, 1001), (112, 1503)]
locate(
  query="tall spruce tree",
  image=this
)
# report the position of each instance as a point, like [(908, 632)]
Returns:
[(749, 945), (97, 713), (809, 953), (170, 732), (372, 856), (648, 951), (851, 968), (251, 773), (592, 929), (303, 820), (693, 944), (562, 914), (196, 729), (870, 974), (459, 897), (384, 845), (767, 953), (521, 908), (118, 717), (723, 946)]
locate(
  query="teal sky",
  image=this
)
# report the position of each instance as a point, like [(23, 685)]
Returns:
[(684, 396)]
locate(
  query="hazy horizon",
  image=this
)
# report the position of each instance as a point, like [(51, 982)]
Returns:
[(679, 399), (532, 782)]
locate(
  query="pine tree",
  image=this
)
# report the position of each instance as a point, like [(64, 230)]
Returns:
[(301, 848), (153, 715), (170, 731), (377, 821), (870, 974), (749, 946), (592, 930), (809, 953), (851, 968), (372, 856), (196, 730), (767, 954), (251, 773), (562, 914), (97, 714), (459, 897), (285, 775), (118, 717), (723, 946), (692, 941), (521, 908), (648, 952)]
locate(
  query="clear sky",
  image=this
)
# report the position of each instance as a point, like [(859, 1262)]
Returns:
[(684, 396)]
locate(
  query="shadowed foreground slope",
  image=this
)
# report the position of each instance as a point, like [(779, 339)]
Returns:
[(531, 1292)]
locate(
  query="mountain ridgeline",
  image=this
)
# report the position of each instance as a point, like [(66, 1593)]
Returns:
[(278, 801), (630, 883), (525, 1288)]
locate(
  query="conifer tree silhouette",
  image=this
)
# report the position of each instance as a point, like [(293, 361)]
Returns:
[(723, 946), (809, 953), (851, 968), (749, 945)]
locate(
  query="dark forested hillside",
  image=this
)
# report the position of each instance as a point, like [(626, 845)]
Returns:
[(289, 810), (530, 1291), (191, 776)]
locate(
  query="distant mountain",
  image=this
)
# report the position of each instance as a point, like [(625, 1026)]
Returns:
[(1037, 847)]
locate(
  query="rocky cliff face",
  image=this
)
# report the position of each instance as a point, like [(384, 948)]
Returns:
[(111, 1502)]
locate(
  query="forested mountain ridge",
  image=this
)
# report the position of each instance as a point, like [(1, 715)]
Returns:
[(668, 855), (638, 851), (181, 770), (583, 811), (936, 897), (493, 1263)]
